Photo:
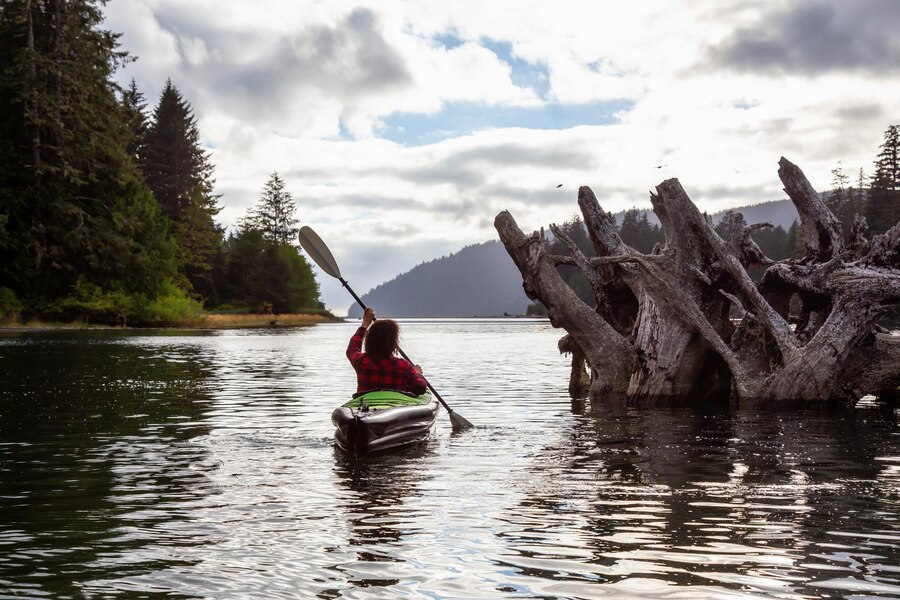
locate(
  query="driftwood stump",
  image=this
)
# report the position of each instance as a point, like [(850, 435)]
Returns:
[(686, 323)]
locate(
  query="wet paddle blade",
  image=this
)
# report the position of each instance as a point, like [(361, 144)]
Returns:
[(318, 251), (458, 422)]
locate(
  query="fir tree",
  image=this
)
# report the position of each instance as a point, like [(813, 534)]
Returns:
[(135, 107), (575, 229), (772, 241), (839, 182), (263, 269), (794, 246), (637, 232), (883, 202), (179, 173), (843, 201), (861, 181), (76, 210), (274, 215)]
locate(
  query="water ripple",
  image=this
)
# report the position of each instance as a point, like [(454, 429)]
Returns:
[(202, 465)]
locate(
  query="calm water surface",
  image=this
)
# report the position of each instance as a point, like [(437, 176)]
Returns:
[(202, 465)]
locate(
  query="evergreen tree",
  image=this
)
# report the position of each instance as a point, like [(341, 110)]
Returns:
[(275, 214), (575, 229), (135, 107), (263, 269), (637, 232), (76, 211), (839, 182), (861, 181), (842, 201), (772, 241), (794, 246), (179, 173), (262, 275), (883, 202)]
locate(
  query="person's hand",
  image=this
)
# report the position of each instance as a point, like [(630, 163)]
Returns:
[(368, 317), (418, 369)]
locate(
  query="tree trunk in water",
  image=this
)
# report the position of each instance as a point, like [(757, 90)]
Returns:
[(686, 323)]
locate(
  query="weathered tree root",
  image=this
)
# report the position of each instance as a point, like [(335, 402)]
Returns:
[(662, 331)]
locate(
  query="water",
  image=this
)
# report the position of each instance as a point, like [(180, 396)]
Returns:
[(202, 465)]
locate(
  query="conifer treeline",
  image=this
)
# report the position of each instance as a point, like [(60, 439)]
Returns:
[(107, 213), (875, 197)]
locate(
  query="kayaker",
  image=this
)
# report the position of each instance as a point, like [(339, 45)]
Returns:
[(377, 368)]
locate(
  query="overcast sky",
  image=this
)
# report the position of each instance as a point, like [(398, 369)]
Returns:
[(403, 128)]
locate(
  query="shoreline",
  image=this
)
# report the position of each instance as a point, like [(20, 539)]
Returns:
[(216, 321), (206, 322)]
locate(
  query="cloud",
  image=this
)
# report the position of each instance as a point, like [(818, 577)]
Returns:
[(811, 37), (402, 127)]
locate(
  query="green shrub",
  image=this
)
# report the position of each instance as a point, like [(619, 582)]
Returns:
[(173, 305), (90, 303), (10, 305)]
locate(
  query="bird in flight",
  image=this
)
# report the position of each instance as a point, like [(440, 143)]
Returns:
[(660, 166), (559, 186)]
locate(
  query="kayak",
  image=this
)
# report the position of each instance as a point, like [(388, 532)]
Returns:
[(383, 419)]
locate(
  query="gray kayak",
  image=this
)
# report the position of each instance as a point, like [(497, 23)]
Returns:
[(383, 419)]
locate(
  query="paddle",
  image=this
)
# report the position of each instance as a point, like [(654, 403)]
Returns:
[(320, 253)]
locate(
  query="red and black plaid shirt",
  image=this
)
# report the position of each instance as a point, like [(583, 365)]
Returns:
[(392, 373)]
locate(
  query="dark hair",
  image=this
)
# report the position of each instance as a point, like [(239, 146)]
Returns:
[(382, 338)]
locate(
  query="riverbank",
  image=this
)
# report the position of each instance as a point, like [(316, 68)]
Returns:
[(204, 321)]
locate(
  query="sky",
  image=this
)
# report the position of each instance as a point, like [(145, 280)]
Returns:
[(402, 128)]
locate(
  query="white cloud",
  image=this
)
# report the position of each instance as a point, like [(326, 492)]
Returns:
[(306, 88)]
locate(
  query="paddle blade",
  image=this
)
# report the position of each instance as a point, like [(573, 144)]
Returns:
[(318, 251), (458, 422)]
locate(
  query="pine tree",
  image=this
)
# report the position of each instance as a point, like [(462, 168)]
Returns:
[(637, 232), (263, 269), (135, 107), (883, 203), (75, 207), (842, 201), (179, 173), (861, 181), (274, 215), (839, 183), (261, 275), (794, 246)]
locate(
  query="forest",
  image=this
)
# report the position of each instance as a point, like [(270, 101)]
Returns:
[(108, 209)]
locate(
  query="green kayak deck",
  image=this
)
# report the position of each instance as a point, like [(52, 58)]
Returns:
[(380, 399)]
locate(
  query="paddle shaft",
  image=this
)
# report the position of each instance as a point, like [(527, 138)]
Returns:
[(399, 349)]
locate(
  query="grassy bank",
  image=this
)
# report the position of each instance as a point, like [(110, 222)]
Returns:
[(231, 321), (208, 320)]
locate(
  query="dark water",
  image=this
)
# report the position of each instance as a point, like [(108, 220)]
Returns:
[(201, 465)]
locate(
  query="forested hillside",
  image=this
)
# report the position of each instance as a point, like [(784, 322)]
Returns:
[(107, 211)]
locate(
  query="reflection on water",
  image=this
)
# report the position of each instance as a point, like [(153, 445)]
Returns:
[(201, 465)]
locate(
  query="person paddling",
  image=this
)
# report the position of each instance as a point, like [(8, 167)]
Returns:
[(377, 368)]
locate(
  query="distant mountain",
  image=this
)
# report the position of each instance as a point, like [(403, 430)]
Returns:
[(482, 281), (478, 281)]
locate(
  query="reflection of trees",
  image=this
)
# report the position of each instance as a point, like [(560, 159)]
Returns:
[(702, 499), (92, 454), (377, 507)]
